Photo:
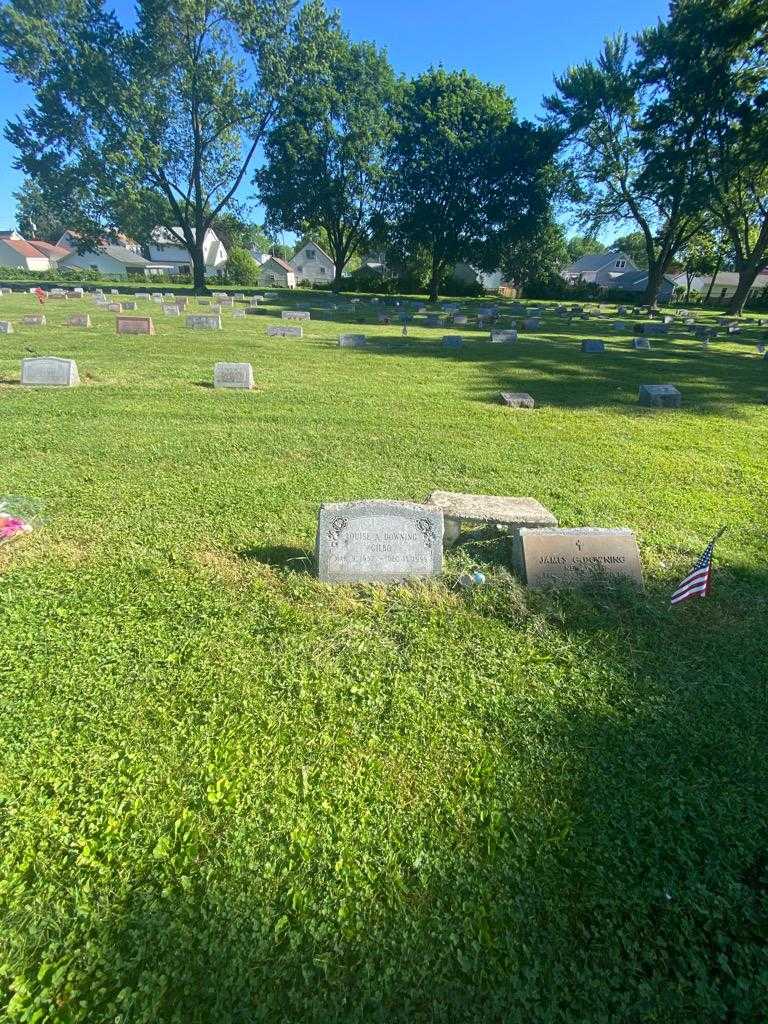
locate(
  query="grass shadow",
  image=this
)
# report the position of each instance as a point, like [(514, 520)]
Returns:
[(279, 556)]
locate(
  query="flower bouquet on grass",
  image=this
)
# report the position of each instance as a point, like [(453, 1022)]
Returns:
[(17, 517)]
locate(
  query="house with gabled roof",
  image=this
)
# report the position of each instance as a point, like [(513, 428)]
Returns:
[(275, 271), (312, 265), (167, 246), (599, 268), (28, 254)]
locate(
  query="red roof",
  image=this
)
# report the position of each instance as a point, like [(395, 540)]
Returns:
[(281, 263), (54, 252), (23, 248)]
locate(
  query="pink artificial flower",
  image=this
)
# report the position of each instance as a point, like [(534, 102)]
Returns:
[(10, 526)]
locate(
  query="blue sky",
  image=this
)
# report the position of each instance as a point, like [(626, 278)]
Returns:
[(519, 43)]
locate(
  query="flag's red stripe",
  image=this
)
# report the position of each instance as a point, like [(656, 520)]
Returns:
[(700, 587)]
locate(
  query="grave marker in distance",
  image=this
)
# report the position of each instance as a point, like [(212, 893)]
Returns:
[(233, 375), (660, 396), (50, 372), (135, 325)]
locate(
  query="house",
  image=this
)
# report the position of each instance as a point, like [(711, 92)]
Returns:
[(277, 272), (71, 239), (312, 265), (598, 268), (637, 281), (492, 282), (25, 254), (114, 261), (258, 255), (167, 247), (725, 284)]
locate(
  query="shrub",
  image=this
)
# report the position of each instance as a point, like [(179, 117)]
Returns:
[(241, 268)]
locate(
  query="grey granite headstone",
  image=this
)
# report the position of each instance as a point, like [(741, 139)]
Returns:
[(517, 399), (567, 559), (531, 323), (34, 321), (503, 337), (641, 343), (128, 306), (6, 327), (50, 372), (295, 314), (460, 320), (202, 322), (233, 375), (171, 310), (378, 541), (79, 320), (274, 330), (661, 396), (115, 307), (352, 341), (593, 345), (238, 314)]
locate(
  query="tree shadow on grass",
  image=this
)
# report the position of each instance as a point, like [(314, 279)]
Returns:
[(278, 556)]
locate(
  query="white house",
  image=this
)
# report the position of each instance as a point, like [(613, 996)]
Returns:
[(277, 272), (114, 261), (71, 239), (259, 255), (467, 274), (599, 268), (312, 265), (637, 281), (25, 254), (725, 284), (168, 248)]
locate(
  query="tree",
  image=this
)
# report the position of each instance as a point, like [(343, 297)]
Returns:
[(35, 216), (324, 170), (582, 245), (156, 125), (633, 244), (535, 257), (237, 233), (629, 161), (464, 176), (702, 256), (242, 268), (713, 55)]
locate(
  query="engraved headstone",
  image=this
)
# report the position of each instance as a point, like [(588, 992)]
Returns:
[(49, 371), (460, 320), (238, 314), (34, 321), (171, 310), (225, 302), (503, 337), (203, 322), (566, 559), (592, 345), (135, 325), (378, 541), (233, 375), (352, 341), (661, 396), (142, 295), (295, 314), (6, 327), (275, 330), (641, 343), (78, 320), (128, 306), (517, 399)]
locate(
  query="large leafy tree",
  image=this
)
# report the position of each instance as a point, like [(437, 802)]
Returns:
[(630, 166), (154, 125), (464, 176), (633, 244), (582, 245), (324, 172), (36, 217), (711, 57)]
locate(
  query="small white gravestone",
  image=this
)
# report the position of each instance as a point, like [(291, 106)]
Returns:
[(142, 295), (660, 396), (216, 308), (78, 320), (294, 314), (171, 310), (204, 322), (240, 296), (113, 291), (9, 291), (352, 340), (34, 321), (225, 302), (284, 332), (135, 325), (233, 375), (378, 541), (6, 327), (50, 372), (157, 295)]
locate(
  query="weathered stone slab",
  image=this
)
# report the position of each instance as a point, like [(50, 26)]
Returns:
[(487, 510), (253, 311), (115, 307), (233, 375), (503, 337), (295, 314), (532, 323), (142, 295), (592, 346), (129, 306), (135, 325), (34, 321), (171, 310), (50, 372), (226, 302), (517, 399), (378, 541), (453, 341), (661, 396), (567, 559), (275, 330), (78, 320), (238, 314), (641, 343), (352, 341), (204, 322), (6, 327)]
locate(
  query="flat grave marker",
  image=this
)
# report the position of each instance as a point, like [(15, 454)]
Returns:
[(660, 396), (641, 343), (295, 314), (568, 559), (280, 331), (517, 399), (78, 320), (503, 337), (6, 327), (352, 341), (34, 321), (592, 346), (378, 541)]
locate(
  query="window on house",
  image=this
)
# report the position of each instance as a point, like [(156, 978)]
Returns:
[(723, 292), (311, 254), (621, 264), (299, 270), (322, 270)]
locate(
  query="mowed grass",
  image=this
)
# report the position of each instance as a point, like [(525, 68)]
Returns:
[(231, 793)]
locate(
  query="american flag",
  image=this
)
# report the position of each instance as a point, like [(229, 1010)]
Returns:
[(698, 582)]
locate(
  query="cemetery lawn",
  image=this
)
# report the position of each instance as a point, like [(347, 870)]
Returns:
[(231, 793)]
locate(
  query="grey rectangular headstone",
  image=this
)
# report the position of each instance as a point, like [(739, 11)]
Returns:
[(503, 337), (517, 399), (34, 321), (641, 343), (79, 320), (273, 330), (352, 341), (295, 314), (6, 327), (202, 322), (238, 314), (50, 372), (661, 396), (233, 375), (592, 346), (531, 323), (567, 559), (378, 541), (171, 310)]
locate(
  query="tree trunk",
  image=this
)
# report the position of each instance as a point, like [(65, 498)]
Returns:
[(199, 286), (434, 282), (747, 275), (655, 277), (338, 266), (712, 281)]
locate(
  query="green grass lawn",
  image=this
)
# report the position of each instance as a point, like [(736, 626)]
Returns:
[(231, 793)]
